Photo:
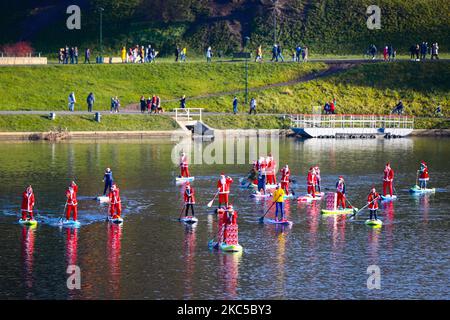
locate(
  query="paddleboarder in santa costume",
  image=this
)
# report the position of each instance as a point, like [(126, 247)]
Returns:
[(72, 203), (372, 201), (340, 190), (271, 169), (115, 207), (27, 204), (184, 166), (285, 175), (189, 199), (388, 179), (228, 218), (108, 180), (317, 174), (223, 187), (311, 182), (423, 175)]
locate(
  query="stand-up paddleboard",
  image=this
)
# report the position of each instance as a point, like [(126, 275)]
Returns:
[(417, 189), (338, 211), (288, 196), (28, 222), (261, 195), (374, 223), (271, 186), (189, 219), (389, 197), (118, 220), (225, 247), (102, 199), (309, 198), (284, 222), (70, 223), (184, 179)]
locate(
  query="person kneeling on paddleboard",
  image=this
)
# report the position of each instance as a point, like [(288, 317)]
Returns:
[(184, 166), (423, 175), (388, 179), (311, 182), (223, 188), (27, 203), (115, 204), (189, 199), (278, 198), (340, 190), (72, 203), (108, 180), (372, 201)]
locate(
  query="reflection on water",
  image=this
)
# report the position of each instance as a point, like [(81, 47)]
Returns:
[(156, 257)]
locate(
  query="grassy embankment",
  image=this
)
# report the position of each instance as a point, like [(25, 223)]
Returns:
[(47, 87), (38, 123)]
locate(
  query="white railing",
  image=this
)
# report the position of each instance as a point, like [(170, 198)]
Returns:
[(351, 121), (188, 114)]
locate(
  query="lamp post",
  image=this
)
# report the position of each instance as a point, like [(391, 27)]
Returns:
[(247, 39), (101, 31)]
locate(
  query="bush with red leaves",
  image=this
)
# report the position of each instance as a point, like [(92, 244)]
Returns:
[(19, 49)]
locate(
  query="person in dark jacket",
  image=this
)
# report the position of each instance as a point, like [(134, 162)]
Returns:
[(108, 180), (90, 101), (143, 104), (183, 102)]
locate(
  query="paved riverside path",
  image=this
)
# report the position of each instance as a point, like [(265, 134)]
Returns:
[(128, 111)]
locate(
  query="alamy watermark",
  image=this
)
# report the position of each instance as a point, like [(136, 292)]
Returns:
[(74, 280), (228, 147), (374, 19), (374, 280), (73, 22)]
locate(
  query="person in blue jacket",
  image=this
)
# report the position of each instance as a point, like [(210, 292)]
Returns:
[(108, 180)]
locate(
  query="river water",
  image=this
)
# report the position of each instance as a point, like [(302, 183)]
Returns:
[(153, 256)]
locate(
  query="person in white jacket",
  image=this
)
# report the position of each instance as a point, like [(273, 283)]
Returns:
[(72, 101)]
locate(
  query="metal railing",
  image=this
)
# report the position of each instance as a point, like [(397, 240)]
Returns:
[(188, 114), (351, 121)]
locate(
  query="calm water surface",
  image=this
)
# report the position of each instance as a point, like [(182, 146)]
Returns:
[(153, 256)]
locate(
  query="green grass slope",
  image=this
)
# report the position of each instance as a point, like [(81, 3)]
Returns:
[(47, 87)]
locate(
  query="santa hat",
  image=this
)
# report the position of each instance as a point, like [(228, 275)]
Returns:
[(341, 178), (108, 169), (230, 207), (113, 187)]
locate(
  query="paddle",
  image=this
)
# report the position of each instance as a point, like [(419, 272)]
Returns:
[(107, 211), (64, 213), (357, 212), (261, 219), (209, 205), (417, 178), (181, 211)]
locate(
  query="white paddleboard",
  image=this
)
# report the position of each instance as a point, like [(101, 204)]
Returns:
[(189, 219), (116, 220), (70, 223), (282, 222), (102, 199)]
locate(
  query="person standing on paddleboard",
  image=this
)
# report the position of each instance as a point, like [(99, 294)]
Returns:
[(261, 166), (271, 169), (228, 218), (278, 198), (27, 204), (340, 190), (285, 176), (317, 171), (115, 204), (72, 203), (372, 201), (311, 182), (388, 179), (223, 188), (189, 199), (423, 175), (108, 180), (184, 166)]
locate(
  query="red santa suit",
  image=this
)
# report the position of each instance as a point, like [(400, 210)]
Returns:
[(388, 178), (311, 182), (27, 203), (371, 197), (229, 225), (285, 174), (72, 203), (184, 166), (340, 190), (424, 172), (223, 186), (271, 169), (115, 204)]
